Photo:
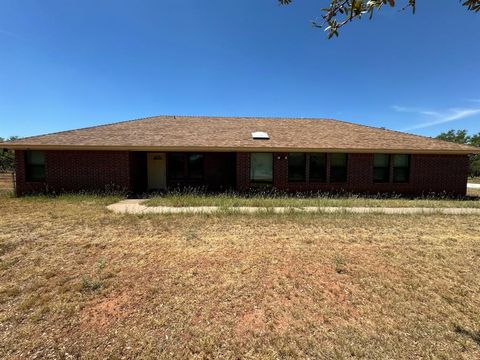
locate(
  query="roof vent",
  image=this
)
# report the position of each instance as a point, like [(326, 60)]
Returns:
[(260, 135)]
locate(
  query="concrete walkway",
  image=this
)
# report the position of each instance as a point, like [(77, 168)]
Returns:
[(135, 206), (473, 186)]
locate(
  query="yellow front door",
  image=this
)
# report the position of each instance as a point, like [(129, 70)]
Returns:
[(157, 172)]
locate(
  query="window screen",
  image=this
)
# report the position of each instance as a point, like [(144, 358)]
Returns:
[(296, 167), (338, 168), (261, 167), (318, 167), (35, 161), (381, 168), (401, 168)]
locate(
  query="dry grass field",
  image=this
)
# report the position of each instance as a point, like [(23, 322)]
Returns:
[(79, 282), (272, 199)]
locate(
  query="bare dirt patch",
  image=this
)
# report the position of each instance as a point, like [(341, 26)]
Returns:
[(251, 322), (99, 314)]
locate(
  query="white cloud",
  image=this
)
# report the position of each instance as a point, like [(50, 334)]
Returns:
[(415, 110), (400, 108), (405, 109), (438, 117), (430, 113)]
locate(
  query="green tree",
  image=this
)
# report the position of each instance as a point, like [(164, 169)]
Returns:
[(340, 12), (7, 157), (475, 140), (456, 136), (462, 137), (475, 160)]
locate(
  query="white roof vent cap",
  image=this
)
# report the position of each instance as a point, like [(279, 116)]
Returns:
[(260, 135)]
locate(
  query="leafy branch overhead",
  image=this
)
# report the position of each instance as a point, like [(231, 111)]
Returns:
[(341, 12)]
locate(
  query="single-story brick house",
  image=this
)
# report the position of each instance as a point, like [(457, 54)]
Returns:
[(218, 153)]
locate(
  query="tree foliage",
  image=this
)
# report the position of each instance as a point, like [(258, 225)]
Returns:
[(462, 137), (340, 12), (7, 157)]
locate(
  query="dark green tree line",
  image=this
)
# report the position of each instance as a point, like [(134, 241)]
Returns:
[(462, 137)]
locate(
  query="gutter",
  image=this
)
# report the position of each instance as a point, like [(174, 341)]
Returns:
[(234, 149)]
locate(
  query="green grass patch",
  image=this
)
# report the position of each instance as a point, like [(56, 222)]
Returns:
[(6, 194)]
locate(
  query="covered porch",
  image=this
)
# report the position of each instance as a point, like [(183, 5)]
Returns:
[(159, 171)]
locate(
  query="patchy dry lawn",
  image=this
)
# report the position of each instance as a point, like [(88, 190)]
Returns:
[(78, 281)]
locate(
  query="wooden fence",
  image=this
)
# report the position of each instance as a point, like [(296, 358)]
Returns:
[(7, 180)]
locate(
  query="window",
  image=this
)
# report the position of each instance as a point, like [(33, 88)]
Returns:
[(296, 167), (261, 167), (401, 168), (186, 166), (381, 168), (338, 168), (195, 166), (35, 161), (176, 166), (318, 167)]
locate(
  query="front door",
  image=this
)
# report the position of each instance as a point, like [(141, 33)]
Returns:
[(157, 174)]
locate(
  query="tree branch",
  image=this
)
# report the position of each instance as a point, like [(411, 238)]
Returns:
[(341, 12)]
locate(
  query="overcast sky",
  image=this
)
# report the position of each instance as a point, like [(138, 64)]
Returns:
[(66, 64)]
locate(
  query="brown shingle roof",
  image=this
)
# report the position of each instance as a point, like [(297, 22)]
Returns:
[(201, 133)]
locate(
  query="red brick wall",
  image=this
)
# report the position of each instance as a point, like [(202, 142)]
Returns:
[(77, 170), (428, 173), (243, 171), (100, 170)]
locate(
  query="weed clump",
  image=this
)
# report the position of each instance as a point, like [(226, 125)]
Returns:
[(96, 282)]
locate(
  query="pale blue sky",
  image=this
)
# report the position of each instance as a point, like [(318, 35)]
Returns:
[(66, 64)]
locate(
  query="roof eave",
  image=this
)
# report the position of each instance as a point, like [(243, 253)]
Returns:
[(235, 149)]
